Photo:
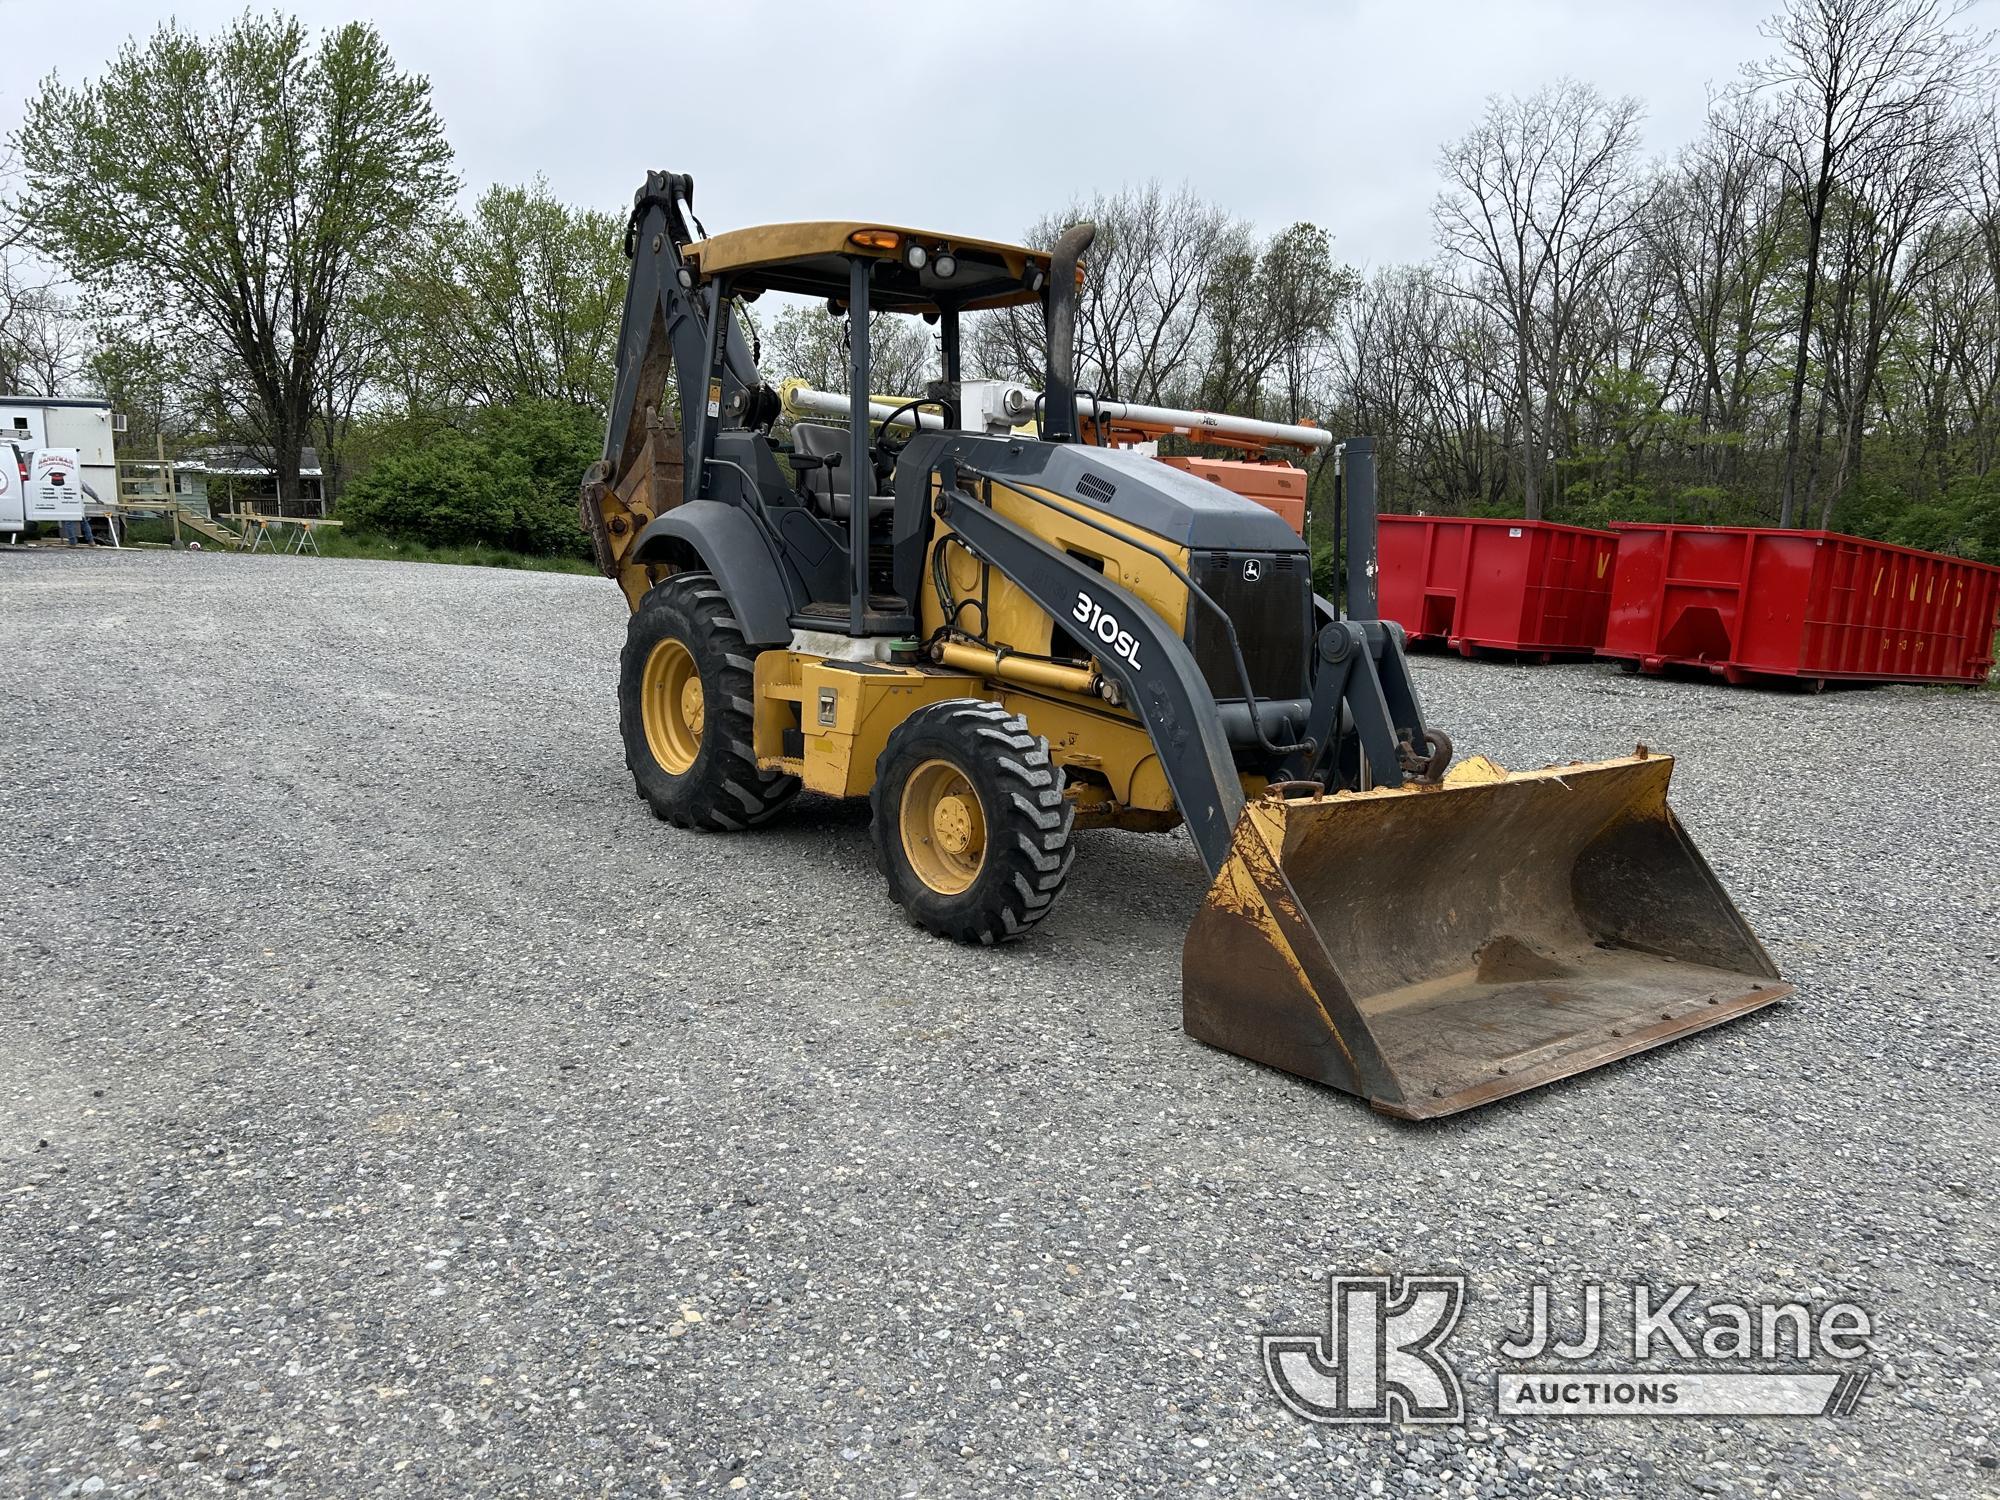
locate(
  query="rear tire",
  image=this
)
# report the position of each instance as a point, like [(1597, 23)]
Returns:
[(685, 709), (971, 826)]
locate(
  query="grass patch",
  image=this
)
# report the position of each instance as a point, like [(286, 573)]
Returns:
[(337, 542), (140, 530)]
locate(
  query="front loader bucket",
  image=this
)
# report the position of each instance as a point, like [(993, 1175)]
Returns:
[(1436, 948)]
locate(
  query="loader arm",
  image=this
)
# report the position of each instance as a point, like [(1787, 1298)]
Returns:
[(1363, 721), (1158, 675)]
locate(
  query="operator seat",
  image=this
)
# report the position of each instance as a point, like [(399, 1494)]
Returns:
[(831, 486)]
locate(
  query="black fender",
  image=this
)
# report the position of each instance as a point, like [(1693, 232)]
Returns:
[(725, 542)]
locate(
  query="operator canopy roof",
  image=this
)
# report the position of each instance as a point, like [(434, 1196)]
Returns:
[(812, 259)]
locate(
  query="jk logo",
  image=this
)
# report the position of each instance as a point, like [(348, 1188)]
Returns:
[(1379, 1359)]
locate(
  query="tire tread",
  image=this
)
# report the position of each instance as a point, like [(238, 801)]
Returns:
[(1028, 856), (725, 790)]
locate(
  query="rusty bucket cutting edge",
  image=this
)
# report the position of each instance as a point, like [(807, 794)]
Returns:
[(1433, 949)]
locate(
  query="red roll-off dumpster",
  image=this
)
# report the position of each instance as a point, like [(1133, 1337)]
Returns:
[(1474, 584), (1814, 606)]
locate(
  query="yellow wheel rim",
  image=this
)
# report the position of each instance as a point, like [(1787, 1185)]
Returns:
[(671, 704), (943, 827)]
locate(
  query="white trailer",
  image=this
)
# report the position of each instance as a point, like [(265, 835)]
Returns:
[(88, 425), (13, 492)]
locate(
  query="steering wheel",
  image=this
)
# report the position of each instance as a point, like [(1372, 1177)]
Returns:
[(885, 450)]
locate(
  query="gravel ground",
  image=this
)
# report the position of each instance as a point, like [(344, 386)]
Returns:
[(389, 1105)]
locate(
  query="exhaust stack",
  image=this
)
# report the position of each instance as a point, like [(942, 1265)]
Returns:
[(1059, 406)]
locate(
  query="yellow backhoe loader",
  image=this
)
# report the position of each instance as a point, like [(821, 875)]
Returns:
[(998, 635)]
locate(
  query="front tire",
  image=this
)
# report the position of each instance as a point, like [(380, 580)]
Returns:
[(971, 826), (685, 709)]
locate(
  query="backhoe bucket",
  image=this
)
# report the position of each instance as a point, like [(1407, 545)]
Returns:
[(1436, 948)]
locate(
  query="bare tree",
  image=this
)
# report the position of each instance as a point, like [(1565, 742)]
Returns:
[(1144, 311), (811, 344), (1717, 230), (1905, 189), (1420, 367), (1966, 328), (42, 338), (1540, 198), (1946, 362), (45, 342), (1848, 75)]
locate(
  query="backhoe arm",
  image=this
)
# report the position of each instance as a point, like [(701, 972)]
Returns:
[(667, 348)]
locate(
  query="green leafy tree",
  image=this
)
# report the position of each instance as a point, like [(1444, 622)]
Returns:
[(1966, 522), (1272, 313), (542, 446), (142, 381), (516, 301), (238, 194)]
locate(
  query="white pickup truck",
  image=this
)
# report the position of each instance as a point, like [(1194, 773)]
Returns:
[(40, 485), (13, 491)]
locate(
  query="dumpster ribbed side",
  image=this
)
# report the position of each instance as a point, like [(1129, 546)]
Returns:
[(1475, 583), (1814, 606)]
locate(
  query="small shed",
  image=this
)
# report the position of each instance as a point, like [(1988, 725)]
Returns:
[(232, 479)]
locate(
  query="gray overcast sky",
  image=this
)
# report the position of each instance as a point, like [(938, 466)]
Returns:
[(980, 119)]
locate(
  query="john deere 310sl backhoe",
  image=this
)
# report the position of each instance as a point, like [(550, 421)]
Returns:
[(997, 636)]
